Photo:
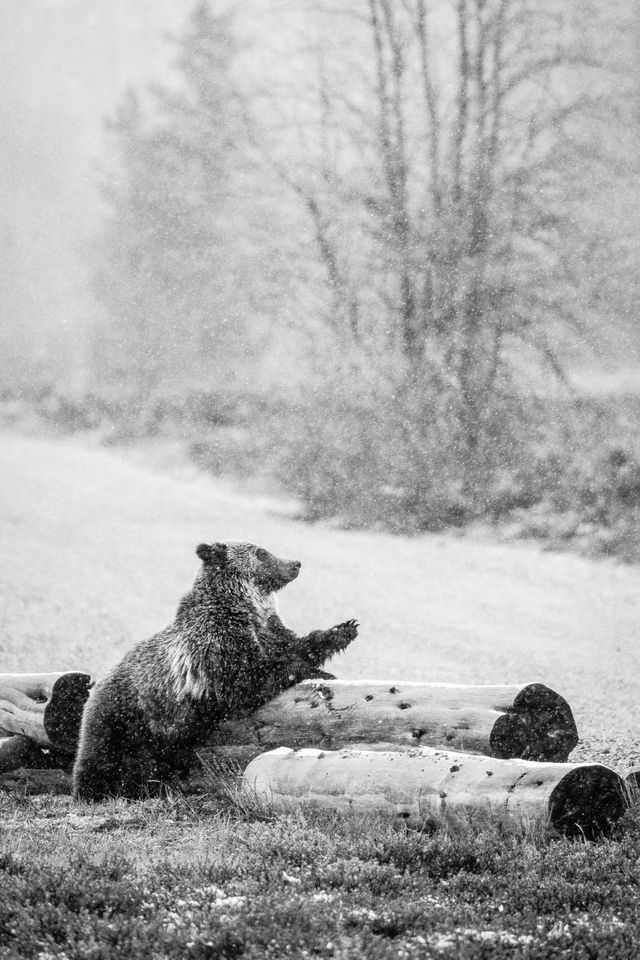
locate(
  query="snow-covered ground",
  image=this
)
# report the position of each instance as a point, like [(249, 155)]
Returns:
[(96, 550)]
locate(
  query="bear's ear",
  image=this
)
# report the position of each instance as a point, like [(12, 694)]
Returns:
[(212, 553), (203, 550)]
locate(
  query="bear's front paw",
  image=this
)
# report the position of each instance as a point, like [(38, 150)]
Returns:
[(347, 631)]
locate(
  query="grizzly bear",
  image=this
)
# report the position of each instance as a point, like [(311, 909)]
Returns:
[(226, 653)]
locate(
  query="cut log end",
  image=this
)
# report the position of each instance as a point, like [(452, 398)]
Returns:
[(22, 752), (63, 712), (633, 783), (540, 726), (17, 751), (588, 801)]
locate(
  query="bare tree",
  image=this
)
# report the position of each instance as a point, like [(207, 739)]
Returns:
[(455, 126)]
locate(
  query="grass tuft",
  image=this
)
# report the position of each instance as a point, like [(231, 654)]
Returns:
[(190, 877)]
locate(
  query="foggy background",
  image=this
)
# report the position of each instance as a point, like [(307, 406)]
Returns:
[(379, 256)]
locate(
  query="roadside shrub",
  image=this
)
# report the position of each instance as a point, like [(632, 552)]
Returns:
[(590, 499), (394, 456), (374, 449)]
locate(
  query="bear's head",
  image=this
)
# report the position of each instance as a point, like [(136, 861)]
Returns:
[(247, 561)]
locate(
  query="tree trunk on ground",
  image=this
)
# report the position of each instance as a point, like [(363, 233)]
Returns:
[(514, 720), (27, 767), (18, 751), (529, 721), (577, 799), (45, 707)]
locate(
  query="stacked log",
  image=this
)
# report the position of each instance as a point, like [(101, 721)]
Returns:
[(583, 798), (373, 747), (529, 720), (511, 720)]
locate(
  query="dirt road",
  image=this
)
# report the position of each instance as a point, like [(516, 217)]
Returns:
[(96, 551)]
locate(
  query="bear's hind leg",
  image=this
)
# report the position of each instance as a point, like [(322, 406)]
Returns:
[(112, 757)]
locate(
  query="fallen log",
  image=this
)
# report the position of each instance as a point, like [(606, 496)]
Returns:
[(529, 721), (21, 752), (582, 798), (512, 720), (17, 751), (26, 767), (44, 707)]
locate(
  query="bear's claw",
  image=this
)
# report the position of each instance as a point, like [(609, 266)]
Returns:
[(347, 631)]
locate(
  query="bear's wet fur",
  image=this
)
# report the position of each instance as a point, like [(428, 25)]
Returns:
[(226, 653)]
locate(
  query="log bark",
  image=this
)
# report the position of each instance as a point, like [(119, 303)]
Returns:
[(529, 721), (578, 799), (45, 707)]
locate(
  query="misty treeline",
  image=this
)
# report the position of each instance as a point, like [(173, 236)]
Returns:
[(381, 242)]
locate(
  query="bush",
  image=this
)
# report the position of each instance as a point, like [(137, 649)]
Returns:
[(567, 473), (386, 452), (395, 458), (592, 503)]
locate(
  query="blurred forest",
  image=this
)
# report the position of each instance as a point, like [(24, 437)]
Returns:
[(383, 253)]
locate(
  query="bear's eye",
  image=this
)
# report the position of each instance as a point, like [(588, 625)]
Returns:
[(261, 554)]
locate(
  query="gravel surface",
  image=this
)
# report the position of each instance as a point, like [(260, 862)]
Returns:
[(96, 550)]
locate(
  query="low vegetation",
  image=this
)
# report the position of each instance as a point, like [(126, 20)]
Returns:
[(563, 472), (201, 877)]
